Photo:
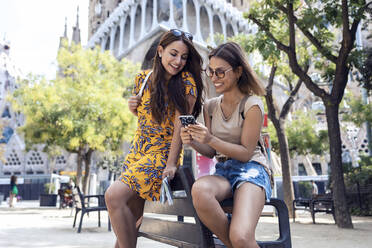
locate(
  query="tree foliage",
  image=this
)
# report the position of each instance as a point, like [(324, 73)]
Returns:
[(358, 112), (83, 109), (303, 136)]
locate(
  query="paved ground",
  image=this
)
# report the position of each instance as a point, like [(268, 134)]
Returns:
[(28, 225)]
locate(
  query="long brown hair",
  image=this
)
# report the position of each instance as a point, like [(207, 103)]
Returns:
[(174, 92), (233, 54)]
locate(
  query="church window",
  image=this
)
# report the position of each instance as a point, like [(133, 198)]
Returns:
[(301, 170), (317, 168), (7, 134), (6, 113), (13, 159)]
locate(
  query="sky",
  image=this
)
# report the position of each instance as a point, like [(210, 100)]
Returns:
[(34, 27)]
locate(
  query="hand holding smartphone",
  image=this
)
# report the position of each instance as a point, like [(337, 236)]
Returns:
[(187, 120)]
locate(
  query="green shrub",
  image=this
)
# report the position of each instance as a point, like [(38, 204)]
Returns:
[(305, 189), (46, 188), (361, 174)]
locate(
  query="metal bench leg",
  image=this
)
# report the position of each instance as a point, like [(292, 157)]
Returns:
[(312, 210), (81, 221), (76, 212), (99, 218)]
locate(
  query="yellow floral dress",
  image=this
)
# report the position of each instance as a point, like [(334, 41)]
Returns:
[(148, 154)]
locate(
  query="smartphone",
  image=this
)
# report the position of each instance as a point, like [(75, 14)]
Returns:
[(187, 120)]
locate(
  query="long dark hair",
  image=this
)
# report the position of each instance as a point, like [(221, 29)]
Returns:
[(174, 92), (233, 54), (13, 180)]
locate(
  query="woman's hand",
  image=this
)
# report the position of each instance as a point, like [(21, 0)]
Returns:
[(199, 133), (185, 136), (133, 103), (169, 171)]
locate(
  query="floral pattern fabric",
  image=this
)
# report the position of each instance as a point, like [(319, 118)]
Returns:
[(148, 154)]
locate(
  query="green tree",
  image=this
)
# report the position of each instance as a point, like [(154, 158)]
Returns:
[(359, 112), (83, 109), (330, 27), (303, 137)]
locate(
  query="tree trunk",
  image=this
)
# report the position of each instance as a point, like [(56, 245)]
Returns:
[(343, 218), (53, 165), (278, 119), (308, 166), (79, 168), (286, 166), (87, 158)]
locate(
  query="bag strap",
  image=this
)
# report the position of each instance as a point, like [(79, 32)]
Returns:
[(211, 106), (144, 84), (242, 105)]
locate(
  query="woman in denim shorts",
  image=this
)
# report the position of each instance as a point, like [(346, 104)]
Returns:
[(231, 133)]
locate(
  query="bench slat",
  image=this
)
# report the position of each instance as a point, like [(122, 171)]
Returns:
[(167, 241), (175, 232), (182, 207)]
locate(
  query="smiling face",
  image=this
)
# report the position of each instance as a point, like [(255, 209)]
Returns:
[(229, 81), (173, 57)]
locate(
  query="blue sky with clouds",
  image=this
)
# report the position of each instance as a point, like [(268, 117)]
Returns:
[(33, 28)]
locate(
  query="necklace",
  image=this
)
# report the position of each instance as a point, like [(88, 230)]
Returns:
[(227, 110)]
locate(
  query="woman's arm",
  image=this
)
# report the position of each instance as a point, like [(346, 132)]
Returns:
[(134, 100), (250, 135), (176, 144), (133, 103)]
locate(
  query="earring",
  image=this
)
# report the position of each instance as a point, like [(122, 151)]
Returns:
[(159, 55)]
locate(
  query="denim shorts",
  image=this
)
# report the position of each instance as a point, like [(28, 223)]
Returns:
[(237, 172)]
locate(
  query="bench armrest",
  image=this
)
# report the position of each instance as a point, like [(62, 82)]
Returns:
[(93, 196)]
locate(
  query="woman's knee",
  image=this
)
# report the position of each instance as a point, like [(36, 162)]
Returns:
[(240, 239), (202, 191), (117, 195)]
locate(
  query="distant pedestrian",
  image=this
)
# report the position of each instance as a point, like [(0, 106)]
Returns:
[(13, 191), (314, 188)]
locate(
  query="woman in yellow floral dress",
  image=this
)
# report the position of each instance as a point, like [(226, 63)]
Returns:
[(173, 88)]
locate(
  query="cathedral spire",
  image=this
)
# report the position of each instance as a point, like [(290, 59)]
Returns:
[(64, 37), (76, 30), (65, 33)]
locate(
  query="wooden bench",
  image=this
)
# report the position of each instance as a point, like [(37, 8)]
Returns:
[(82, 204), (322, 203), (319, 203), (179, 225)]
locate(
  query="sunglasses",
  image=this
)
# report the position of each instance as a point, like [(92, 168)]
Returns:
[(218, 72), (178, 33)]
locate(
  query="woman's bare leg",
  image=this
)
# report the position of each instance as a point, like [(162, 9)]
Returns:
[(125, 208), (207, 192), (249, 200), (11, 196)]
